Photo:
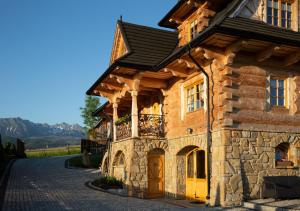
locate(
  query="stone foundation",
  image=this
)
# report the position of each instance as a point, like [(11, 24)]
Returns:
[(242, 158), (136, 171), (239, 161)]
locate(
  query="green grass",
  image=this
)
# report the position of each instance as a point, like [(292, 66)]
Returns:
[(51, 152)]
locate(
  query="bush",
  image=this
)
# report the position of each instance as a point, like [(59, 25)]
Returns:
[(96, 160), (108, 182), (10, 148)]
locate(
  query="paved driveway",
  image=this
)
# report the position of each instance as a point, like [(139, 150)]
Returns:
[(45, 184)]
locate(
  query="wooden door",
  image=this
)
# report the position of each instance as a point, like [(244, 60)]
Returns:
[(156, 175), (196, 181)]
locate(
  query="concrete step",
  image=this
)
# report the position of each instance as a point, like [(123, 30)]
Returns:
[(272, 205)]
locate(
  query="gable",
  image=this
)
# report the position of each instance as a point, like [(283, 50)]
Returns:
[(119, 47), (252, 9)]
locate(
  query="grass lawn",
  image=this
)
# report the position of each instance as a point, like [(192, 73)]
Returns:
[(50, 152)]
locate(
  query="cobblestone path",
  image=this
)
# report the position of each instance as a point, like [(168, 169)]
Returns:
[(45, 184)]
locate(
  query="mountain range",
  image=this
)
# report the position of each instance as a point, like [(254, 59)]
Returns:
[(40, 134)]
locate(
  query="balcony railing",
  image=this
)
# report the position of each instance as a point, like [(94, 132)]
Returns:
[(151, 125), (123, 126), (102, 135)]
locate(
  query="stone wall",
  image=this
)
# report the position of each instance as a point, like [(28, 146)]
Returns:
[(136, 171), (248, 157)]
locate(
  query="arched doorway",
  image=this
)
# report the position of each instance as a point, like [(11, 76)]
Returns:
[(156, 173), (196, 177), (119, 166)]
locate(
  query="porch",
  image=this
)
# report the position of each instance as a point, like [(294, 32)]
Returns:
[(138, 116)]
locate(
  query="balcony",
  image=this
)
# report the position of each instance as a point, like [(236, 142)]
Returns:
[(149, 125)]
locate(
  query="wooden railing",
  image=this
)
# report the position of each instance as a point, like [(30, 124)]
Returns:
[(151, 125), (123, 127)]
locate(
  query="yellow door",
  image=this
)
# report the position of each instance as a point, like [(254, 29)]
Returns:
[(155, 176), (196, 180)]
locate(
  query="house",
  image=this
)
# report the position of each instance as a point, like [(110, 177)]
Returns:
[(208, 107)]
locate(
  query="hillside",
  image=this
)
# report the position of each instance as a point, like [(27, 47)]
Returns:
[(38, 135)]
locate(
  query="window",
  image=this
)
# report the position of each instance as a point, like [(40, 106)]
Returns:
[(277, 89), (279, 13), (194, 29), (282, 157), (195, 99), (200, 164)]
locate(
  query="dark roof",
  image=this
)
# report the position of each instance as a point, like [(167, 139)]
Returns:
[(223, 22), (98, 110), (147, 47), (215, 21), (216, 5), (165, 20), (249, 28)]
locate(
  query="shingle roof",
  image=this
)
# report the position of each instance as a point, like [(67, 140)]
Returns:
[(152, 49), (148, 46), (258, 29)]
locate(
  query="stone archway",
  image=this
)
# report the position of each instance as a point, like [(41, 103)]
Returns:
[(105, 164), (119, 166)]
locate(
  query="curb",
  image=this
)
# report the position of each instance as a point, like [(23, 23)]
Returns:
[(91, 186)]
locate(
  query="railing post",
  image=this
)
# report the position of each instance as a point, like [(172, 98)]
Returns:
[(134, 115), (115, 118)]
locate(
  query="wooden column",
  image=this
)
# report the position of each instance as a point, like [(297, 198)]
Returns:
[(115, 118), (134, 115)]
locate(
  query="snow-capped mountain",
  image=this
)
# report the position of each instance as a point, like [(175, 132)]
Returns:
[(20, 128)]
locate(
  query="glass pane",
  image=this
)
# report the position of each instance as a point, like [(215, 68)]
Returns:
[(273, 83), (289, 7), (190, 166), (200, 157), (273, 92), (275, 4), (269, 3), (273, 101), (275, 18), (280, 84), (280, 92), (280, 101)]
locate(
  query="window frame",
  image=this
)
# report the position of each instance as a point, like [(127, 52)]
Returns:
[(197, 105), (285, 91), (289, 22), (193, 28)]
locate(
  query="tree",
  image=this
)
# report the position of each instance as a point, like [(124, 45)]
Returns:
[(90, 121)]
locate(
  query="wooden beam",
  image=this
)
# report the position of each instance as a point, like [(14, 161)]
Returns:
[(176, 20), (187, 63), (193, 3), (177, 73), (267, 53), (235, 47), (153, 83), (111, 86), (292, 59)]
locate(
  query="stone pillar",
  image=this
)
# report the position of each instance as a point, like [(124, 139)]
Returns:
[(115, 118), (134, 115)]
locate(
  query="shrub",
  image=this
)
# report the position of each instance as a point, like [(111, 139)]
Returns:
[(10, 148), (108, 182)]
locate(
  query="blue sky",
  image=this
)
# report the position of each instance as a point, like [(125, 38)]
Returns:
[(52, 51)]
